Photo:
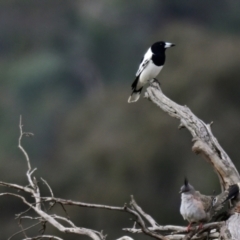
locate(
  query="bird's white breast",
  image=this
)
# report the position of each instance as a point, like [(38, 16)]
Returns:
[(151, 71), (191, 209)]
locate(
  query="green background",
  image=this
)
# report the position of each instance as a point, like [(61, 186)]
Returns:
[(67, 67)]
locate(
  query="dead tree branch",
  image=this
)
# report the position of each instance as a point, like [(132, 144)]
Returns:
[(34, 191), (43, 236), (154, 230), (204, 143)]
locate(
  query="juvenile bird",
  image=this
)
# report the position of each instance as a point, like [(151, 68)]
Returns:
[(198, 208), (150, 66)]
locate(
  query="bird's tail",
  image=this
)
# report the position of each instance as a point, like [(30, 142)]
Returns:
[(134, 96), (233, 191), (228, 194), (136, 91)]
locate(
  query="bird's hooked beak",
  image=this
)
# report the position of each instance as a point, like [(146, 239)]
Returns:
[(168, 45)]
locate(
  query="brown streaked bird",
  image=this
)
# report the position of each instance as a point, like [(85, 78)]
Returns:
[(198, 208)]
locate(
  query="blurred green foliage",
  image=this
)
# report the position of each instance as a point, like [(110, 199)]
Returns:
[(67, 67)]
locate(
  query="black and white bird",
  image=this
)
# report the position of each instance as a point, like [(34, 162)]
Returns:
[(150, 66), (198, 208)]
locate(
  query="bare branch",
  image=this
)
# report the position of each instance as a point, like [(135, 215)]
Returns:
[(50, 190), (174, 230), (143, 226), (211, 236), (189, 235), (124, 209), (81, 204), (205, 142), (43, 236), (20, 215), (32, 182), (16, 186), (23, 230), (138, 212), (145, 215), (77, 230), (18, 196), (125, 238), (64, 209), (167, 228), (20, 146), (64, 219), (31, 218)]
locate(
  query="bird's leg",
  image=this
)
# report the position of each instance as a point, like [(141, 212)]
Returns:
[(189, 226)]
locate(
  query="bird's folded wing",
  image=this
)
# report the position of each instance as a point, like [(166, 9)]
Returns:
[(226, 195), (145, 61), (206, 201), (218, 201), (142, 66)]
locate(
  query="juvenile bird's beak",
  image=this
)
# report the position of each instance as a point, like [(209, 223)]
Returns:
[(168, 45), (180, 191)]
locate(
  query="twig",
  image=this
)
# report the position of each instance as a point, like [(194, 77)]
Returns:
[(167, 228), (18, 196), (19, 215), (81, 204), (77, 230), (64, 209), (145, 215), (124, 208), (43, 236), (64, 219), (33, 182), (16, 186), (31, 218), (50, 190), (23, 230), (143, 226), (20, 146)]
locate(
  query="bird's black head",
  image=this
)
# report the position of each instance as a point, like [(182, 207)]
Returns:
[(160, 47), (186, 187)]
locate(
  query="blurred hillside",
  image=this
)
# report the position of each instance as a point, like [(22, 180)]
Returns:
[(67, 67)]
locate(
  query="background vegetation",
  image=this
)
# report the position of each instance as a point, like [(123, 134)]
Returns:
[(67, 67)]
